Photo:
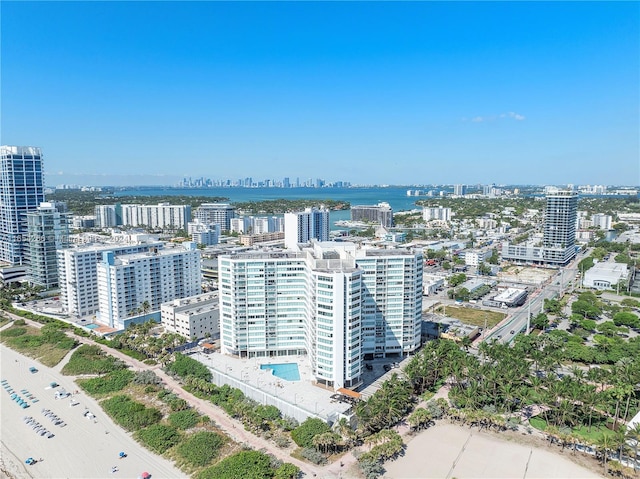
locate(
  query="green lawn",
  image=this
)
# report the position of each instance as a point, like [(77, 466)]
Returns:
[(475, 317), (583, 431)]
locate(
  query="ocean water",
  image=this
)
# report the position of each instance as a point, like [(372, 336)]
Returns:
[(395, 196)]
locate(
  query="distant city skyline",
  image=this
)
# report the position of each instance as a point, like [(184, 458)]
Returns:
[(398, 93)]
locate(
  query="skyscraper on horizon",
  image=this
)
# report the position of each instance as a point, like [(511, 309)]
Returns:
[(21, 192)]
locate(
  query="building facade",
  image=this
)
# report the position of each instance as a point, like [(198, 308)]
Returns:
[(78, 277), (21, 192), (436, 213), (207, 235), (48, 231), (129, 284), (381, 214), (194, 317), (108, 216), (559, 240), (337, 304), (559, 235), (304, 226), (216, 213)]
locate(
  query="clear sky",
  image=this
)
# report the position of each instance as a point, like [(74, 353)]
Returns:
[(389, 92)]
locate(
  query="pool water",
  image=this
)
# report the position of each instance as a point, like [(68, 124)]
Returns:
[(92, 326), (286, 371)]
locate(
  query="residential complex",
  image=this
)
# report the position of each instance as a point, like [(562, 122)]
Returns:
[(304, 226), (381, 214), (332, 301), (436, 213), (77, 274), (48, 231), (21, 192), (162, 215), (130, 284)]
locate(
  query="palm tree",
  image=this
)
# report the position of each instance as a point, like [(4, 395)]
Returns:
[(603, 445)]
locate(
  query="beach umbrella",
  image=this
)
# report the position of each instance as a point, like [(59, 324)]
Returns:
[(145, 475), (122, 454), (29, 460)]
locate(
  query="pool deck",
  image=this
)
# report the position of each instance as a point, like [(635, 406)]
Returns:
[(304, 394)]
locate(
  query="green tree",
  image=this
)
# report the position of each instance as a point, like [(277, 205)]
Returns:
[(303, 435)]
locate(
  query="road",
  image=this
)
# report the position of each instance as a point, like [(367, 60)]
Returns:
[(555, 287)]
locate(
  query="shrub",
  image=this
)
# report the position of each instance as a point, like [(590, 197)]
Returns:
[(19, 322), (282, 441), (159, 437), (90, 359), (185, 366), (112, 382), (244, 465), (146, 377), (184, 419), (178, 404), (130, 414), (287, 471), (201, 448), (14, 332), (313, 455), (303, 435)]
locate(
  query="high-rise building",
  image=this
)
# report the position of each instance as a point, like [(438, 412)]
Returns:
[(459, 190), (304, 226), (129, 282), (108, 216), (218, 213), (48, 230), (602, 221), (436, 213), (21, 191), (204, 234), (77, 274), (332, 301), (381, 214), (559, 237)]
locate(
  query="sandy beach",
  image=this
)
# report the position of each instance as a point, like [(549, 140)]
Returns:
[(448, 451), (84, 448)]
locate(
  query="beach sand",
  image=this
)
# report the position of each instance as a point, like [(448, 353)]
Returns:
[(448, 451), (84, 448)]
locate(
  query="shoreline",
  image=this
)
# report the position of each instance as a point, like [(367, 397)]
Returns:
[(83, 448)]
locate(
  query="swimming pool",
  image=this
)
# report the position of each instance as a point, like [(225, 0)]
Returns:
[(91, 326), (286, 371)]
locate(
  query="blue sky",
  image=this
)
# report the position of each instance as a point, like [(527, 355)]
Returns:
[(396, 93)]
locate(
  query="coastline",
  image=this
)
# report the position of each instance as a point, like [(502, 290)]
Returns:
[(82, 449)]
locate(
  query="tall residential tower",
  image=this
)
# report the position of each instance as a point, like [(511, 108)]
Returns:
[(21, 192)]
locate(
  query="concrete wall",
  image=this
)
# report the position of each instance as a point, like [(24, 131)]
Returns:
[(286, 407)]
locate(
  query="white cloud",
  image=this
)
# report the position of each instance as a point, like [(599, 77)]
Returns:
[(481, 119)]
